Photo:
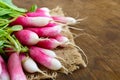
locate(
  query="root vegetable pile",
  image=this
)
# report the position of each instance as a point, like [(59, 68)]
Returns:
[(28, 38)]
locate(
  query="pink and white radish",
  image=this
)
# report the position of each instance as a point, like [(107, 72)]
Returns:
[(4, 72), (65, 41), (43, 9), (31, 21), (36, 14), (45, 60), (27, 37), (48, 43), (49, 53), (30, 65), (66, 20), (51, 24), (47, 31), (62, 39), (15, 67)]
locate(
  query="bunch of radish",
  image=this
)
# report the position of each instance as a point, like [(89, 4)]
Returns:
[(41, 34)]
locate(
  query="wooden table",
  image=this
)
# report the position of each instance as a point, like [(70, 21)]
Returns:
[(100, 38)]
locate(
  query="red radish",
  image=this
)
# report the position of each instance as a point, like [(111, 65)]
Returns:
[(48, 43), (31, 21), (27, 37), (30, 66), (15, 67), (43, 9), (36, 14), (62, 39), (66, 20), (46, 52), (49, 53), (47, 31), (51, 24), (45, 60), (4, 74)]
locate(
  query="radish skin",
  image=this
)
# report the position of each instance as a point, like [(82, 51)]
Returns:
[(27, 37), (4, 74), (47, 31), (46, 51), (48, 43), (62, 39), (51, 24), (36, 14), (43, 9), (45, 60), (64, 20), (15, 67), (31, 21)]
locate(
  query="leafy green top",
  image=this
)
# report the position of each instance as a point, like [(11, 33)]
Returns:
[(8, 13)]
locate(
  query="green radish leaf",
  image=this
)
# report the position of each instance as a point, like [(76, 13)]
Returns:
[(15, 14), (3, 21), (9, 12), (2, 33), (4, 11), (1, 43), (9, 4), (33, 8), (16, 27)]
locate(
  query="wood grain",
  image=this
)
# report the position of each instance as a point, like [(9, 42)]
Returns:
[(100, 39)]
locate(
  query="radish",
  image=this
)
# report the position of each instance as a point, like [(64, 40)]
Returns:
[(31, 21), (30, 66), (62, 39), (51, 24), (48, 43), (15, 67), (43, 9), (47, 31), (48, 52), (40, 14), (66, 20), (27, 37), (4, 73), (45, 60)]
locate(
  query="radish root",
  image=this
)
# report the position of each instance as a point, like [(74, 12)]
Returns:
[(46, 75), (76, 28), (59, 58), (86, 58), (64, 70)]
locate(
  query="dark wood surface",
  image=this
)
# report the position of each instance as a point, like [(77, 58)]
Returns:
[(100, 39)]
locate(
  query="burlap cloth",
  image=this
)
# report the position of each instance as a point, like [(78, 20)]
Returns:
[(69, 53)]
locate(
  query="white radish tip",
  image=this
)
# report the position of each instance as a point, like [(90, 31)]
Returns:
[(71, 20), (45, 9), (55, 64), (34, 39)]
